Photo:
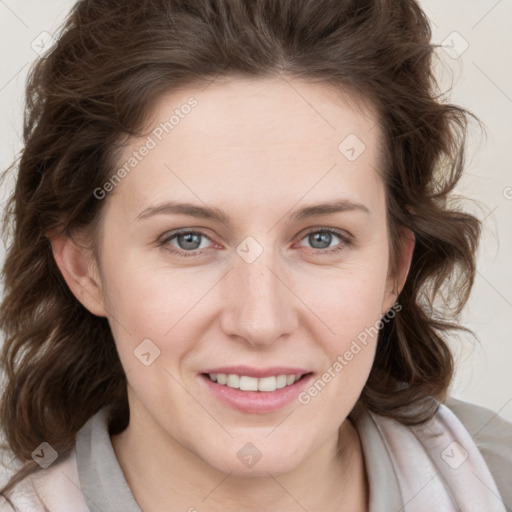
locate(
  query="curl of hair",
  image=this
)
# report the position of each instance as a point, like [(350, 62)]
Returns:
[(95, 89)]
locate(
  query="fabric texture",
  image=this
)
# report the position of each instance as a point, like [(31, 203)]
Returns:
[(460, 460)]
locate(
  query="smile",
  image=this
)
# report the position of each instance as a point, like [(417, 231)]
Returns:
[(247, 383)]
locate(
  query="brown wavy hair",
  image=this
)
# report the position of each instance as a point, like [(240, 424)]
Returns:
[(113, 60)]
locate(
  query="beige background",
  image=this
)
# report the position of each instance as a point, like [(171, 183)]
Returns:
[(476, 61)]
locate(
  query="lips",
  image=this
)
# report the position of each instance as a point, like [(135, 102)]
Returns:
[(256, 390)]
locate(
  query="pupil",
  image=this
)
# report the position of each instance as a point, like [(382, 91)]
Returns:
[(321, 237), (188, 239)]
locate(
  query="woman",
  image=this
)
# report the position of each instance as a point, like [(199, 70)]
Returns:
[(230, 224)]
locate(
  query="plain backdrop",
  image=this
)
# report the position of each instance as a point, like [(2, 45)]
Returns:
[(474, 61)]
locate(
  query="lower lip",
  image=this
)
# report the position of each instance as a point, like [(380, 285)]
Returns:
[(257, 402)]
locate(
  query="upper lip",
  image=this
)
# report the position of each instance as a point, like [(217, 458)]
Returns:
[(258, 372)]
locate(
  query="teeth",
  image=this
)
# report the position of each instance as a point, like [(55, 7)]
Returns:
[(233, 381), (267, 384), (281, 381), (246, 383)]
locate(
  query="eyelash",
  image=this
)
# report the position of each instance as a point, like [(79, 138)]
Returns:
[(346, 239)]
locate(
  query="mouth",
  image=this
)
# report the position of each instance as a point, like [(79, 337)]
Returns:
[(249, 383), (260, 392)]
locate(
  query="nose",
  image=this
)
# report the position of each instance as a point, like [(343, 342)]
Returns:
[(259, 303)]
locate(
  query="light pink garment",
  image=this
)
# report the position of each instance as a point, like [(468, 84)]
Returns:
[(56, 487), (439, 467)]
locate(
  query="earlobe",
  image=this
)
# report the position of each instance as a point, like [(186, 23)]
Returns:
[(76, 266)]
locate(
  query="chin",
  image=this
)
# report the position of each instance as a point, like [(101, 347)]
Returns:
[(256, 459)]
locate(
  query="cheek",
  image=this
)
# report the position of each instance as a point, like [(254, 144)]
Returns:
[(349, 301), (353, 312), (171, 309), (140, 308), (352, 308), (355, 321), (145, 297)]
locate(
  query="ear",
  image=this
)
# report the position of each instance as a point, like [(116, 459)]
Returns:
[(79, 269), (395, 282)]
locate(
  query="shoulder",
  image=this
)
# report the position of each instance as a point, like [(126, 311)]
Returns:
[(23, 496), (493, 436), (56, 488)]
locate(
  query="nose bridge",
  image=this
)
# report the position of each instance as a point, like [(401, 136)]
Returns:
[(259, 306)]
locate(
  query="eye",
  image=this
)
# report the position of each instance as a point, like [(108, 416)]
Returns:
[(320, 239), (187, 242)]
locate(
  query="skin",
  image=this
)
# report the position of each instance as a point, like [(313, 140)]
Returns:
[(260, 150)]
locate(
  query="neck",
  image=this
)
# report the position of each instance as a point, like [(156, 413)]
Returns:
[(332, 479)]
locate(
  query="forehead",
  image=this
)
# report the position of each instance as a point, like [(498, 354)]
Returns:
[(261, 104), (243, 141)]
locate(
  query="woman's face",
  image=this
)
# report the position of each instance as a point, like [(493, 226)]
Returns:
[(282, 285)]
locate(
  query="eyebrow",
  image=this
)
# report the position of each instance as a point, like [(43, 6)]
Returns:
[(207, 212)]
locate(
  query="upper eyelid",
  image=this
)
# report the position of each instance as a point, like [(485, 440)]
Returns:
[(342, 234)]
